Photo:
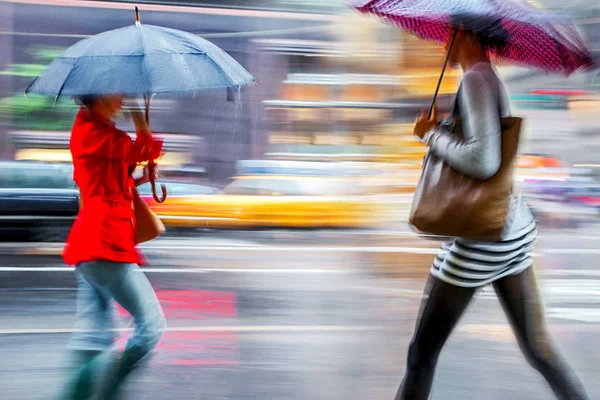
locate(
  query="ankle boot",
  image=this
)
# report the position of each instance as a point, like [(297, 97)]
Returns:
[(129, 361), (81, 384)]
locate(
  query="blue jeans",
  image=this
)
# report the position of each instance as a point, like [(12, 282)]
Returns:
[(101, 282)]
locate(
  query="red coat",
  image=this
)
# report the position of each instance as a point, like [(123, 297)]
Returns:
[(102, 155)]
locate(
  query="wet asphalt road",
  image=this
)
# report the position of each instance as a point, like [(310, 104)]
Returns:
[(299, 316)]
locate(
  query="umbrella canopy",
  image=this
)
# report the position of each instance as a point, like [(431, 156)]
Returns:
[(528, 36), (140, 59)]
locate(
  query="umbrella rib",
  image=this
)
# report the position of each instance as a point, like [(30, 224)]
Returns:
[(31, 84), (64, 82), (232, 82), (89, 43), (143, 62), (188, 68)]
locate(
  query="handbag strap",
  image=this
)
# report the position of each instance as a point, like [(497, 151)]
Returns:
[(456, 108)]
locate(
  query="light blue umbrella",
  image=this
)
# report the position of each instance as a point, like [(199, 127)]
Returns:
[(140, 60)]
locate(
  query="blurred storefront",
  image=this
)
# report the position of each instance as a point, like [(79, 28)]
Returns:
[(206, 130), (352, 96), (295, 57), (332, 84), (6, 52)]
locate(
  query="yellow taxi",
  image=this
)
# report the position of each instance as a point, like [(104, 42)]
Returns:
[(269, 201)]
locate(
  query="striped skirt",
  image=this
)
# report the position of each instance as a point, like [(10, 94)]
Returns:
[(473, 264)]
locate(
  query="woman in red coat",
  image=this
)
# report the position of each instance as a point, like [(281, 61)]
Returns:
[(102, 245)]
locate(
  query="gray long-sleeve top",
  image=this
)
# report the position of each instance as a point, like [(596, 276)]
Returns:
[(482, 101)]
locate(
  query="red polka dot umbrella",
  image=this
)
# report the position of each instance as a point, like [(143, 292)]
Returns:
[(528, 36), (523, 34)]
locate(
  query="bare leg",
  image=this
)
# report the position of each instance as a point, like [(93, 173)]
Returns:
[(520, 298), (443, 305)]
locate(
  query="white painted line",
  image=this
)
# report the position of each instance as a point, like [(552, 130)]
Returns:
[(319, 249), (571, 251), (242, 328), (269, 248), (247, 270), (575, 235), (571, 272), (36, 269), (280, 270), (301, 248), (311, 249), (580, 316), (184, 270), (575, 314), (38, 245), (348, 249)]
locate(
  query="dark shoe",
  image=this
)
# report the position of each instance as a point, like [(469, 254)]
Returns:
[(81, 385), (130, 360)]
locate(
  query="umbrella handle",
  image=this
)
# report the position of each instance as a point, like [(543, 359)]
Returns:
[(155, 195), (151, 173)]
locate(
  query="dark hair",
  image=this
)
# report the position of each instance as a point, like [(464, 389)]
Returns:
[(87, 100), (490, 35), (489, 43)]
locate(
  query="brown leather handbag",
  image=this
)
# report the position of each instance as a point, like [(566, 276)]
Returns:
[(449, 203), (147, 225)]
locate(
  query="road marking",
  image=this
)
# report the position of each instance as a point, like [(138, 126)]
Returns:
[(320, 249), (312, 249), (571, 272), (57, 250), (575, 314), (184, 270), (241, 328), (572, 251), (482, 330), (348, 249)]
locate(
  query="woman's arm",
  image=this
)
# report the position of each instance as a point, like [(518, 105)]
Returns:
[(479, 155), (139, 181), (113, 143), (145, 147)]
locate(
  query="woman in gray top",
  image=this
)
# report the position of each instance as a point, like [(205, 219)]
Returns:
[(463, 266)]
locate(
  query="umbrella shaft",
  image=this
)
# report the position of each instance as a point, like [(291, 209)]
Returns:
[(437, 89), (147, 108)]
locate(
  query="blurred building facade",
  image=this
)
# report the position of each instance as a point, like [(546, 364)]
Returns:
[(332, 85)]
